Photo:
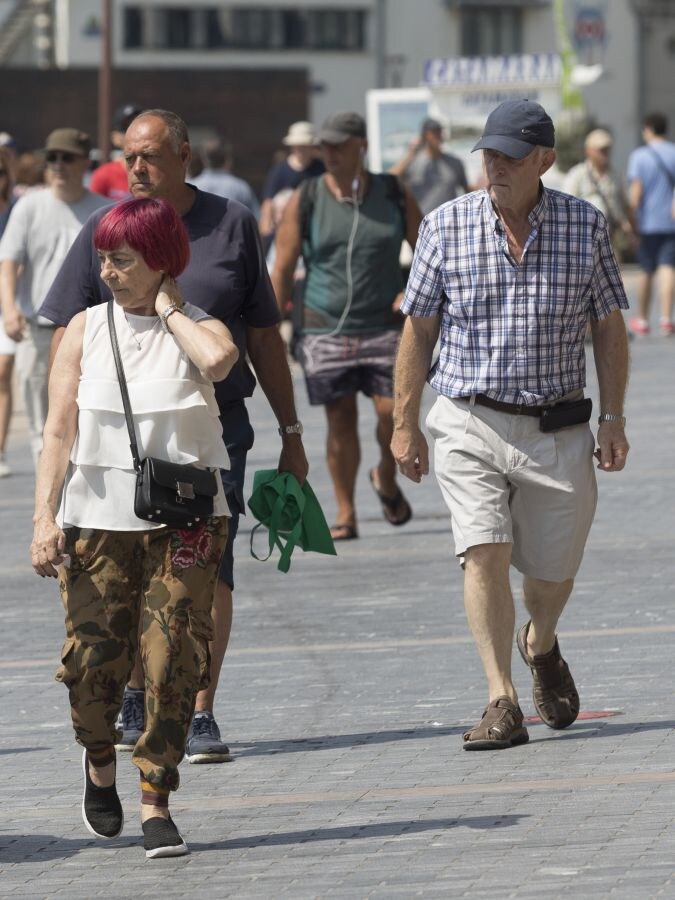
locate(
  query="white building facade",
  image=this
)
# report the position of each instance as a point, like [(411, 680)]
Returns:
[(351, 46)]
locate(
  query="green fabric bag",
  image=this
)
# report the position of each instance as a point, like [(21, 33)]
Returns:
[(292, 514)]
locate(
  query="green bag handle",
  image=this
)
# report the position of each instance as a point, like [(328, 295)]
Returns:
[(275, 534)]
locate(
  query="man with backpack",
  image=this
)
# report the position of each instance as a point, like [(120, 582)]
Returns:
[(349, 225)]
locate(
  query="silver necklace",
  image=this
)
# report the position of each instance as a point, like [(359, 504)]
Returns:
[(133, 333)]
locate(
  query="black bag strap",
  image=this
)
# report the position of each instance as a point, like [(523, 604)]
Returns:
[(662, 165), (123, 386)]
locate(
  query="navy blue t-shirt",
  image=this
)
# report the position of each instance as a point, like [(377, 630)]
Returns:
[(226, 277), (284, 176)]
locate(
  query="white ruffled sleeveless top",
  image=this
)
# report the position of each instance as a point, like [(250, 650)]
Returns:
[(175, 416)]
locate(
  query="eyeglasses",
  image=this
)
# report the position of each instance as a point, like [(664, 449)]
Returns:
[(59, 156)]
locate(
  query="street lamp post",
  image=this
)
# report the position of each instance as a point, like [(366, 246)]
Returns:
[(105, 80)]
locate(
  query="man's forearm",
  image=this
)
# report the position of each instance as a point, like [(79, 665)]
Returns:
[(268, 355), (8, 278), (610, 349), (413, 362)]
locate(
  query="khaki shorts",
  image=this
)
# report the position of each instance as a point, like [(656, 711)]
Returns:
[(507, 482)]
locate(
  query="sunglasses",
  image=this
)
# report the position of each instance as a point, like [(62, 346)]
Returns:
[(59, 156)]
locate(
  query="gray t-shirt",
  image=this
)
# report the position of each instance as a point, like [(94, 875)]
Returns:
[(38, 235), (435, 181), (224, 184)]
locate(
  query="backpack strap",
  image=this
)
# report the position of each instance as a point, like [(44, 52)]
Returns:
[(396, 194), (308, 190)]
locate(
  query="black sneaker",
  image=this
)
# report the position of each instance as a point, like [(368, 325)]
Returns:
[(131, 719), (101, 807), (203, 741), (162, 838)]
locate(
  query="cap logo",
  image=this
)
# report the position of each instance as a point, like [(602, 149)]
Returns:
[(525, 131)]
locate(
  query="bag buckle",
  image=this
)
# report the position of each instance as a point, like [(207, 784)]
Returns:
[(184, 491)]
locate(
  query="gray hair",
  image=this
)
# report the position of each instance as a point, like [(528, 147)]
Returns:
[(176, 127)]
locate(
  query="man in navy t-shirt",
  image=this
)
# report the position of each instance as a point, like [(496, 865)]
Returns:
[(227, 277), (301, 163)]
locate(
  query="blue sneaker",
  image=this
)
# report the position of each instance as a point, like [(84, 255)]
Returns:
[(131, 720), (203, 741)]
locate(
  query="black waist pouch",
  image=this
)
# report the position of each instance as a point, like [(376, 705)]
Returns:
[(564, 415)]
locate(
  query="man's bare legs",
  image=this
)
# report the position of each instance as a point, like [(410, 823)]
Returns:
[(386, 468), (6, 367), (491, 615), (343, 455), (644, 294), (666, 279), (545, 602)]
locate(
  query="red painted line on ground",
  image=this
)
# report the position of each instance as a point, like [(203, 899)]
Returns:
[(587, 714)]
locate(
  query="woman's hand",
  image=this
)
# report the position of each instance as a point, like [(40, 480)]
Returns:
[(168, 295), (46, 551)]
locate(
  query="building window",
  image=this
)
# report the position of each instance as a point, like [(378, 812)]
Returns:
[(490, 31), (133, 28), (247, 28), (179, 27)]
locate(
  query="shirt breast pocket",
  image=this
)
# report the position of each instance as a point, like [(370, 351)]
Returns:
[(559, 293)]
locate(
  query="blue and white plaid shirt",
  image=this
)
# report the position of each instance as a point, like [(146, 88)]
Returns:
[(513, 332)]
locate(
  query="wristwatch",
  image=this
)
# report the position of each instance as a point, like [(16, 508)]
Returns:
[(164, 315), (610, 417), (291, 429)]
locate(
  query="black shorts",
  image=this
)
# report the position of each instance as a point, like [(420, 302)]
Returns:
[(656, 250)]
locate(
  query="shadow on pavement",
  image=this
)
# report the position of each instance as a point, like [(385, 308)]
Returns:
[(341, 741), (32, 848), (608, 729), (357, 832), (9, 750)]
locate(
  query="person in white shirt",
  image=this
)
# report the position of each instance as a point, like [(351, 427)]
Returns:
[(116, 568), (42, 226)]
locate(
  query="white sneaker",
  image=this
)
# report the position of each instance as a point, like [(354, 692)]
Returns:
[(4, 468)]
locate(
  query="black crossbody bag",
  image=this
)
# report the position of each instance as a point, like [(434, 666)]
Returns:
[(180, 496)]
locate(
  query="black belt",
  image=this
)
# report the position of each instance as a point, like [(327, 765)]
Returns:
[(514, 409)]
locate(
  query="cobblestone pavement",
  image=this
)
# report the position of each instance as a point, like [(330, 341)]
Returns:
[(344, 695)]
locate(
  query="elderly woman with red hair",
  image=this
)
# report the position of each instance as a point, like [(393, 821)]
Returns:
[(112, 566)]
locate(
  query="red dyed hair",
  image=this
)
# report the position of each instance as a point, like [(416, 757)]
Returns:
[(151, 227)]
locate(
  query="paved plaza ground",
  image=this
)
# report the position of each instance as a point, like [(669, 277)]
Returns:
[(344, 695)]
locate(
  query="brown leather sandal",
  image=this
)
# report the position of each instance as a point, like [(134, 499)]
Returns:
[(554, 693), (501, 727)]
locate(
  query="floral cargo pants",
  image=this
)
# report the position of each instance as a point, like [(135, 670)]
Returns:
[(167, 578)]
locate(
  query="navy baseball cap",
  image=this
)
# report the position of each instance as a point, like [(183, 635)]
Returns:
[(515, 127)]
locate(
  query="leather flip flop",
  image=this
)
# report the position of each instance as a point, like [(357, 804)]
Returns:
[(343, 532), (391, 504)]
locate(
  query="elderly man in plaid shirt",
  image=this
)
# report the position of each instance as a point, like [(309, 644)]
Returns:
[(509, 276)]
